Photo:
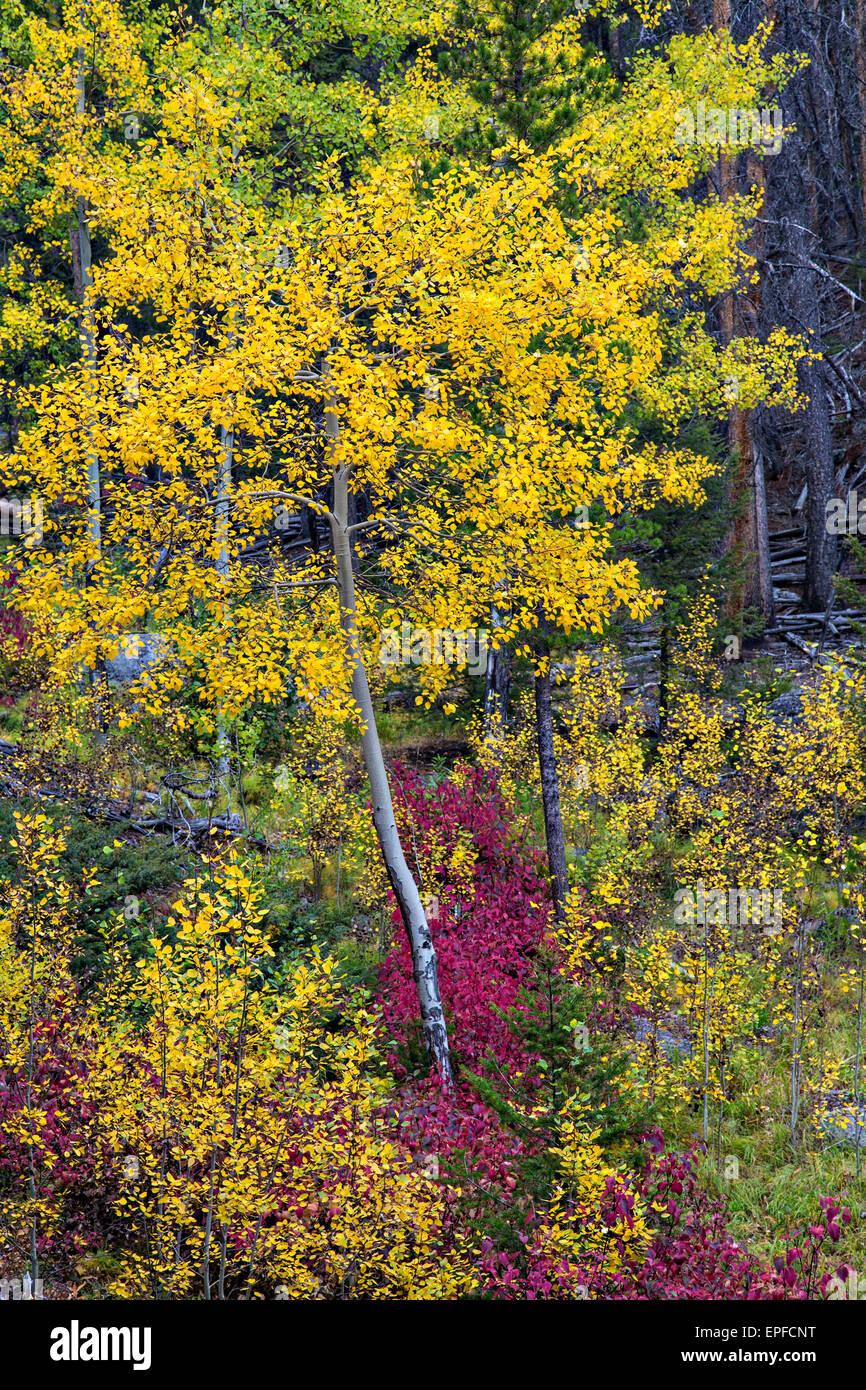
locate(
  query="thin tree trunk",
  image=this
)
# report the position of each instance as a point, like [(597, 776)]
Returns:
[(762, 539), (31, 1147), (820, 544), (82, 280), (797, 1038), (741, 541), (208, 1228), (857, 1056), (705, 1031), (83, 284), (553, 830), (224, 489), (859, 28), (496, 686), (748, 540), (405, 888)]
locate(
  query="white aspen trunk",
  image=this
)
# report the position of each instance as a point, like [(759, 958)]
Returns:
[(224, 488), (82, 263), (405, 888), (224, 491), (857, 1062), (797, 1039), (82, 276)]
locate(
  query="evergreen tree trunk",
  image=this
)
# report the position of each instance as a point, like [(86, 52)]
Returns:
[(859, 29), (741, 540), (762, 537), (820, 545), (818, 438), (664, 670)]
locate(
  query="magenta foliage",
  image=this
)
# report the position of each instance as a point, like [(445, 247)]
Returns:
[(14, 628), (692, 1254), (487, 939), (695, 1253), (65, 1172)]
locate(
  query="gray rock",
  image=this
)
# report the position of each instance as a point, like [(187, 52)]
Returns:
[(397, 699), (137, 653), (785, 707), (846, 1125), (671, 1044)]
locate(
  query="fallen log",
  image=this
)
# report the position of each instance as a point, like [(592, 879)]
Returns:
[(801, 646)]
